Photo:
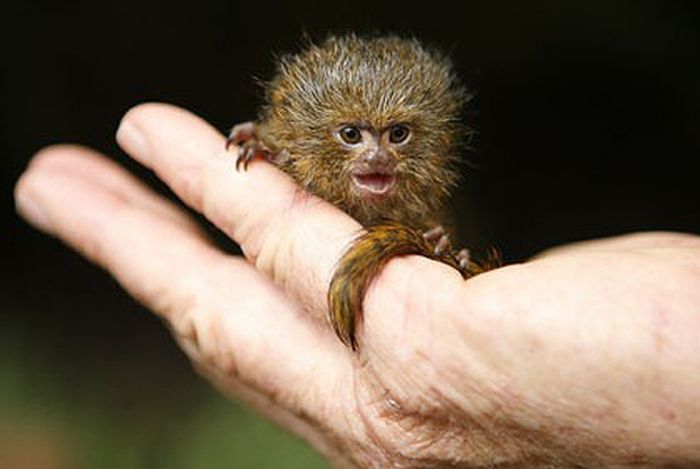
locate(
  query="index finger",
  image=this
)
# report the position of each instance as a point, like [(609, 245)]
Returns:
[(290, 235)]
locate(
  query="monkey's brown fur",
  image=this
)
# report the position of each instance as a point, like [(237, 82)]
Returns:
[(372, 84), (363, 261)]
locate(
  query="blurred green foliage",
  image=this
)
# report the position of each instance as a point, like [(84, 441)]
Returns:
[(53, 418)]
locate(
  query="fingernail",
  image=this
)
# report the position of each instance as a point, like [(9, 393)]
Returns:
[(131, 138), (28, 209)]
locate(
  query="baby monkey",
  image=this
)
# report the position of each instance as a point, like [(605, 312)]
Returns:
[(371, 125)]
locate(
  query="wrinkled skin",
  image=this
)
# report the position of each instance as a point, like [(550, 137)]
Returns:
[(586, 356)]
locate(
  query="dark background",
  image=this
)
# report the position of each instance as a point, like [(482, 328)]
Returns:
[(588, 120)]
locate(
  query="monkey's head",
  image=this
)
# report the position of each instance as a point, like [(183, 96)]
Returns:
[(370, 125)]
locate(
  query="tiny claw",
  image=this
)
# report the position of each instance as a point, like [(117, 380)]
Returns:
[(230, 140), (442, 245), (242, 159), (434, 234), (247, 150), (239, 134), (439, 239), (463, 259)]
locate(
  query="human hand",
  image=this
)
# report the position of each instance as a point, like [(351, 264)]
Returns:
[(586, 355)]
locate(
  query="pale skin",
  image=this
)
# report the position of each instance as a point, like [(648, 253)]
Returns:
[(587, 355)]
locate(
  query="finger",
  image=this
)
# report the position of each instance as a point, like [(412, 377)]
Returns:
[(293, 237), (227, 315)]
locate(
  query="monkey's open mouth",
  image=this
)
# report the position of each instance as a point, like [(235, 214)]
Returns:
[(374, 183)]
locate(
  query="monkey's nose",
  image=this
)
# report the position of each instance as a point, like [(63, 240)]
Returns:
[(380, 160)]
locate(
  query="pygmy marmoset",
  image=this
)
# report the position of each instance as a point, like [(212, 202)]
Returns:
[(371, 125)]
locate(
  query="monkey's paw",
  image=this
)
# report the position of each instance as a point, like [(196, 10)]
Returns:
[(244, 137), (249, 146)]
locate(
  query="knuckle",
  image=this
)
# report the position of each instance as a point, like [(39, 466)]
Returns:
[(195, 321)]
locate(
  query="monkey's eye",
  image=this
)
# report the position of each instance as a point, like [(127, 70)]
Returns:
[(350, 135), (398, 133)]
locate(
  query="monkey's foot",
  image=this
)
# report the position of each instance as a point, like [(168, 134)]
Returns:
[(439, 238), (442, 250)]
